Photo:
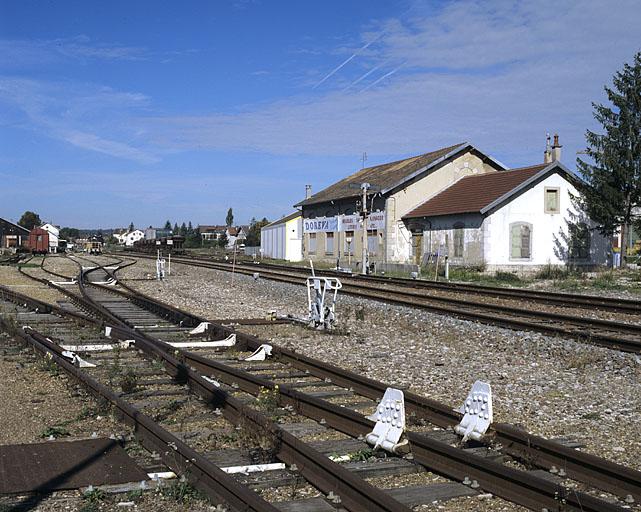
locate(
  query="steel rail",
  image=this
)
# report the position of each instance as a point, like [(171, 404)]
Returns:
[(356, 494), (517, 442), (177, 455), (514, 485), (557, 298), (595, 331)]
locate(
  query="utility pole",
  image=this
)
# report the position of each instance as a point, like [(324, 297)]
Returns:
[(364, 187)]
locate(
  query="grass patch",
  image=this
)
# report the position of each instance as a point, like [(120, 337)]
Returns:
[(182, 492), (56, 431)]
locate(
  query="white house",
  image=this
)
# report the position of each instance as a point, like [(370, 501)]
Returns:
[(133, 236), (521, 219), (283, 238), (54, 236)]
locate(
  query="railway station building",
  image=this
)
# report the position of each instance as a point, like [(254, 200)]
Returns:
[(332, 227), (457, 202)]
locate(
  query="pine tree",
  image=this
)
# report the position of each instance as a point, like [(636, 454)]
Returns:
[(131, 227), (190, 228), (230, 218), (612, 175), (183, 229), (168, 225), (175, 230)]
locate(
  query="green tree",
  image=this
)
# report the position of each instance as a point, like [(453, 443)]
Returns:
[(131, 227), (168, 225), (612, 172), (30, 220), (190, 228), (183, 229), (253, 237), (69, 233), (175, 230), (223, 240), (229, 220)]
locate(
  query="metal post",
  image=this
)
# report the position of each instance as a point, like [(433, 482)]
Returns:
[(447, 268), (364, 186), (169, 267)]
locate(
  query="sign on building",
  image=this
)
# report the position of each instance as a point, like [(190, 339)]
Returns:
[(344, 223)]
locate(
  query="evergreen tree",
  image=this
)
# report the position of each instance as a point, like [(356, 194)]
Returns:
[(230, 218), (612, 174), (131, 227), (190, 228), (183, 229), (29, 220), (168, 225), (175, 230)]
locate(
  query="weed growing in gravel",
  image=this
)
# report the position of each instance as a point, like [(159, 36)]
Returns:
[(55, 431), (46, 364), (360, 314), (129, 382), (182, 492), (581, 360), (268, 400), (93, 499), (361, 455), (134, 495)]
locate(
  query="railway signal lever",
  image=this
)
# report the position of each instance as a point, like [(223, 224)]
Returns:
[(321, 301)]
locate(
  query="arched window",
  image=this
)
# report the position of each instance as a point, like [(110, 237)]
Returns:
[(459, 239), (520, 241)]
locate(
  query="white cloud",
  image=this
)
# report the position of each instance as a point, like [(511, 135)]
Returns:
[(499, 76)]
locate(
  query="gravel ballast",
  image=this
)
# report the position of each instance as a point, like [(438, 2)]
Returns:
[(551, 386)]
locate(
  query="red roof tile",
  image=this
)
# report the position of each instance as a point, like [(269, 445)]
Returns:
[(473, 193)]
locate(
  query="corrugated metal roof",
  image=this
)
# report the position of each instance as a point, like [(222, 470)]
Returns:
[(385, 176), (474, 193)]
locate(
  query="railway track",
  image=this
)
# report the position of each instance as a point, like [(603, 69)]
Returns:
[(431, 450), (619, 335)]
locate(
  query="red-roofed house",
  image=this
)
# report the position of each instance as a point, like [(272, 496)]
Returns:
[(521, 219)]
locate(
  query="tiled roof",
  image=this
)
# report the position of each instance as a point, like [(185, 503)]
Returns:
[(385, 176), (473, 193)]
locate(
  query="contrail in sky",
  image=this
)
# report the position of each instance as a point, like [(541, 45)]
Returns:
[(364, 76), (338, 68), (383, 77)]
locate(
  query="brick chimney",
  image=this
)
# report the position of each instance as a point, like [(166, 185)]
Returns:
[(547, 154), (308, 191), (556, 149)]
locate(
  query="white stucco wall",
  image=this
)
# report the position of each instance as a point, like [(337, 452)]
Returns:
[(549, 231)]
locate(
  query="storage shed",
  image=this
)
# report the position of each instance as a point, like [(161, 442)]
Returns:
[(282, 239), (12, 235)]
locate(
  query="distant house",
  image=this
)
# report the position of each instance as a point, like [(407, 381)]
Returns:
[(54, 237), (236, 235), (283, 238), (12, 235), (132, 237), (210, 233)]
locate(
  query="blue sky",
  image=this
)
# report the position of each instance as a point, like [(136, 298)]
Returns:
[(112, 112)]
